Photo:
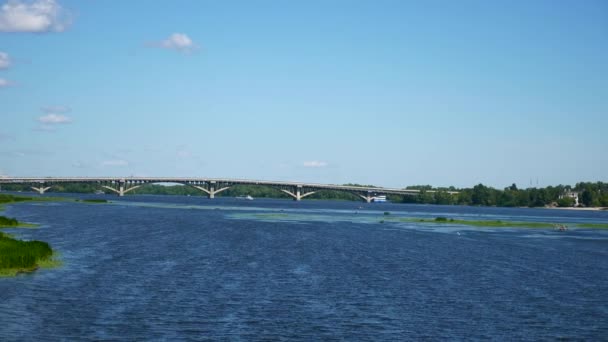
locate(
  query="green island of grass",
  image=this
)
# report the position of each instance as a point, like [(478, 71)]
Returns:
[(593, 225), (501, 224), (7, 222), (93, 200), (10, 199), (17, 256)]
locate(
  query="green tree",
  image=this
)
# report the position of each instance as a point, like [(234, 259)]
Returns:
[(566, 202), (481, 195), (587, 197)]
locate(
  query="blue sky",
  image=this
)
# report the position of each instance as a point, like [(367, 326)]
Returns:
[(391, 93)]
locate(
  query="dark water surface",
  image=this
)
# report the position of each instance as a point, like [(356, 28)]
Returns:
[(185, 268)]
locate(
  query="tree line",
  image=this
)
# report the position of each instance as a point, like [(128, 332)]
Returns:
[(589, 195)]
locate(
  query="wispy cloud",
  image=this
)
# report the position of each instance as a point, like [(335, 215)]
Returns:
[(33, 16), (6, 137), (44, 128), (5, 83), (52, 119), (25, 152), (178, 42), (115, 162), (315, 163), (5, 60), (183, 152), (80, 165)]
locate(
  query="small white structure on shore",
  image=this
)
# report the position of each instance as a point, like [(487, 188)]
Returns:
[(570, 194)]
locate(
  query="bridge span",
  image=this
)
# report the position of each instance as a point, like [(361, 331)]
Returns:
[(210, 186)]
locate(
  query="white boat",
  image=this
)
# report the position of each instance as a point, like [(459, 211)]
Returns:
[(379, 199), (249, 198)]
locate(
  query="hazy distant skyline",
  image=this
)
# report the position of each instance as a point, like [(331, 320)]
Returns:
[(391, 93)]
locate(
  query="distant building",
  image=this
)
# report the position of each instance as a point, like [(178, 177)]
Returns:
[(570, 194)]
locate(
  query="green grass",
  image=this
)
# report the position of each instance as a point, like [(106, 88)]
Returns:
[(502, 224), (7, 222), (593, 225), (17, 256), (7, 199), (482, 223), (93, 200)]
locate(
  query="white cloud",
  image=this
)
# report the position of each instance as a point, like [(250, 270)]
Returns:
[(5, 60), (178, 41), (52, 119), (314, 163), (33, 16), (114, 162), (184, 154), (5, 83)]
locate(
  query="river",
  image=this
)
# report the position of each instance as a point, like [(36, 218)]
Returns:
[(189, 268)]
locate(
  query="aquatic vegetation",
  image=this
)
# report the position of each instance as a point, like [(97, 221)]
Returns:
[(271, 215), (482, 223), (5, 198), (7, 222), (17, 256), (593, 225), (9, 199), (93, 200)]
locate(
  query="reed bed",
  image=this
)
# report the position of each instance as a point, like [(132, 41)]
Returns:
[(22, 255)]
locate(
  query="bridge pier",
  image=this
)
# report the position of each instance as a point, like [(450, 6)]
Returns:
[(210, 190), (367, 198), (297, 193), (41, 190), (122, 188)]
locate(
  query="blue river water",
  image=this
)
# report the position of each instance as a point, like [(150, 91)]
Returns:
[(189, 268)]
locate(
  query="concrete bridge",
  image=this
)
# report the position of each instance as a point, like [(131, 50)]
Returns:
[(210, 186)]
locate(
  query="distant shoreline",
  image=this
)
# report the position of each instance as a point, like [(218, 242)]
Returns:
[(580, 208)]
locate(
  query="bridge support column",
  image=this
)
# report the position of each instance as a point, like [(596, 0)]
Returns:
[(210, 191), (367, 197), (122, 188), (41, 190), (297, 193)]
